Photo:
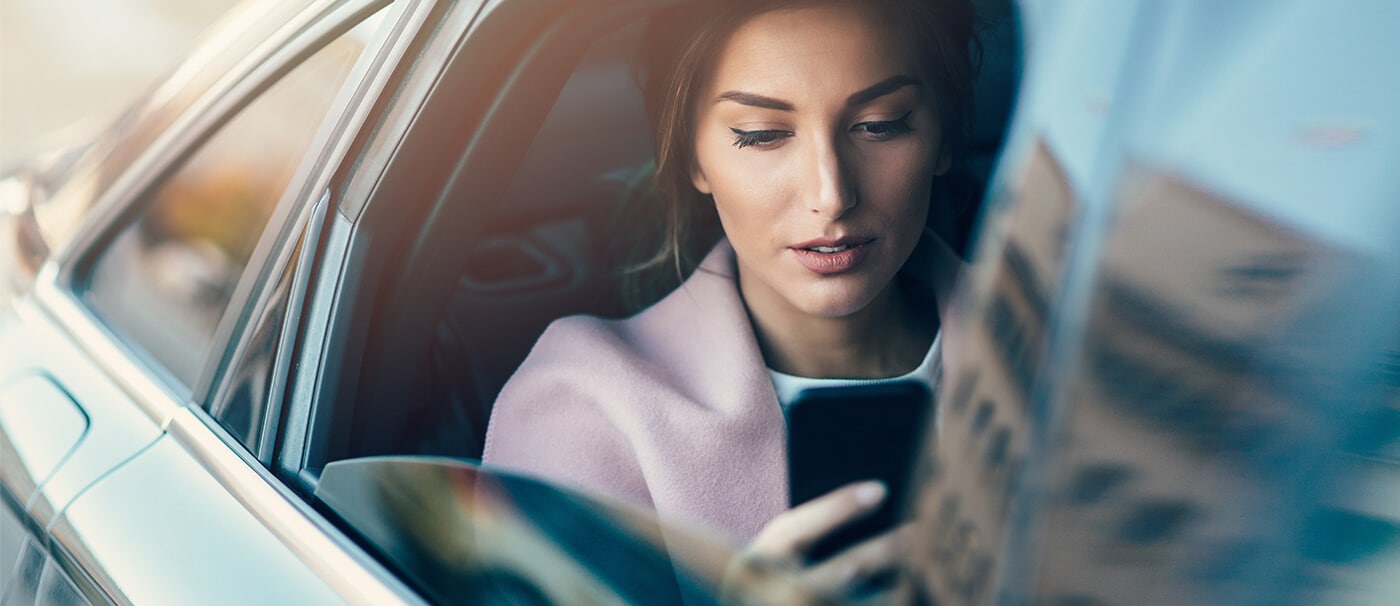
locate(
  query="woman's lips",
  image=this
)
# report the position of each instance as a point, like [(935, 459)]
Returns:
[(847, 257)]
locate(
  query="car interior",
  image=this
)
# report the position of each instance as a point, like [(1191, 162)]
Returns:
[(550, 246)]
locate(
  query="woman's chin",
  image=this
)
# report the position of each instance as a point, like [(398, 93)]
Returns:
[(833, 302)]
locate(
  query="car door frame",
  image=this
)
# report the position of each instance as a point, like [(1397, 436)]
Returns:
[(61, 281), (353, 573), (395, 256)]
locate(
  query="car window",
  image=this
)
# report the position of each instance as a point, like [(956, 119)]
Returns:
[(165, 281), (235, 36), (547, 252), (241, 407)]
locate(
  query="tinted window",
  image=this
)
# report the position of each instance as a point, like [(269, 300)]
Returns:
[(167, 278)]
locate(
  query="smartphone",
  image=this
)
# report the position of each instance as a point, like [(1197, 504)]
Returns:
[(840, 435)]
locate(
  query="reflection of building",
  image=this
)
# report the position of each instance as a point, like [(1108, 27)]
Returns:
[(1196, 463), (985, 410), (1217, 441), (1215, 418)]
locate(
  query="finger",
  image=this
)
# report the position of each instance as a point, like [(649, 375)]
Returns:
[(755, 582), (878, 557), (794, 532)]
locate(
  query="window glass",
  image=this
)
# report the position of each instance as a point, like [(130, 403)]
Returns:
[(549, 250), (237, 34), (167, 278), (241, 407)]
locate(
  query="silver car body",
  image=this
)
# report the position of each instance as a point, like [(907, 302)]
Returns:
[(118, 489)]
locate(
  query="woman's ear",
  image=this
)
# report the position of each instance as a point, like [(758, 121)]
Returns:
[(945, 161), (697, 178)]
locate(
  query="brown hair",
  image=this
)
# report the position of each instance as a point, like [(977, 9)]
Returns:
[(679, 51)]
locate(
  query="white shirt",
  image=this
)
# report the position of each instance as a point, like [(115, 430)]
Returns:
[(929, 372)]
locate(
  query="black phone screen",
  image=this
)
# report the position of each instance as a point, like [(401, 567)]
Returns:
[(840, 435)]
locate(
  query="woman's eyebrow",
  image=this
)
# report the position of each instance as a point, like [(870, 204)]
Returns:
[(880, 89), (754, 100)]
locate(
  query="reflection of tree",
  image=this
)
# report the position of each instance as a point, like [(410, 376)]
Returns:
[(226, 207), (225, 193), (134, 132), (166, 280), (202, 224)]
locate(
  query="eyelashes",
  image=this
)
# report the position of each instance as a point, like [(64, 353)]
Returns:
[(759, 138), (888, 129), (880, 130)]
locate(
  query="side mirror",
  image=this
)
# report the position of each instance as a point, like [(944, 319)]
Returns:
[(461, 534)]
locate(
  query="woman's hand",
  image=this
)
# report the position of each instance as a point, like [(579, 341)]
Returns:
[(775, 567)]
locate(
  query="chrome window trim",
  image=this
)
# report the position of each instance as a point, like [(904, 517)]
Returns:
[(342, 564), (390, 51), (345, 117), (237, 332), (309, 227), (338, 156), (287, 343), (158, 392), (305, 421), (382, 143), (305, 384)]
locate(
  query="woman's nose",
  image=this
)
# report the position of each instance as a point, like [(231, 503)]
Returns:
[(835, 185)]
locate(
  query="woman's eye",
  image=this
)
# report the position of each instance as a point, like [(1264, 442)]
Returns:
[(884, 129), (760, 138)]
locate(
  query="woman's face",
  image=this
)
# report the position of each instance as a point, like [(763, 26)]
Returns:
[(819, 142)]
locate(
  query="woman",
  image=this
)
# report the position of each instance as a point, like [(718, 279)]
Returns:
[(814, 132)]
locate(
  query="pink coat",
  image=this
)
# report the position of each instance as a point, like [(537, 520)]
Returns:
[(672, 408)]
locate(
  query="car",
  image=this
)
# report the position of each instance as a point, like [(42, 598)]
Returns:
[(250, 334)]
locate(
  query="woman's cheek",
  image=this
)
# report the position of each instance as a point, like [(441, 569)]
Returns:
[(758, 181), (905, 174)]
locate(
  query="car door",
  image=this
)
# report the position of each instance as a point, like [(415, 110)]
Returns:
[(131, 473)]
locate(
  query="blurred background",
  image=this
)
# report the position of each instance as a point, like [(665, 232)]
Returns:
[(69, 67)]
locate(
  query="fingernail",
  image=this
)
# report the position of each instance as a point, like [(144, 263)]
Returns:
[(870, 493)]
